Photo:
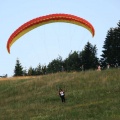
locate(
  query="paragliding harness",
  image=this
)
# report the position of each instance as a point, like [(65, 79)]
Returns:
[(62, 95)]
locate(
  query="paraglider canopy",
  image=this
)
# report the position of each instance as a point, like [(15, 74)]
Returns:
[(32, 24)]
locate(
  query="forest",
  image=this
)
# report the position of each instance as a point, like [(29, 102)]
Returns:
[(80, 60)]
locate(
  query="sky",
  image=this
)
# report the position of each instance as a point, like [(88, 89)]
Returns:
[(48, 42)]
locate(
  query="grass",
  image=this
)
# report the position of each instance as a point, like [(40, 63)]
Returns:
[(90, 95)]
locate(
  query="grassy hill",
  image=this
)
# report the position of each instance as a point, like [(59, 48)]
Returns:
[(90, 95)]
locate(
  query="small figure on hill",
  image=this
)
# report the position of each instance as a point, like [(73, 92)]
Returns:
[(108, 66), (82, 68), (99, 68), (62, 95)]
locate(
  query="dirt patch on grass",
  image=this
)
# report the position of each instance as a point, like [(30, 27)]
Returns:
[(17, 78)]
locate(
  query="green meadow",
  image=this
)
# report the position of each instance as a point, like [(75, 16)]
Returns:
[(90, 95)]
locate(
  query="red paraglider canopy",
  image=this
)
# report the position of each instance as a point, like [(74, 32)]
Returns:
[(68, 18)]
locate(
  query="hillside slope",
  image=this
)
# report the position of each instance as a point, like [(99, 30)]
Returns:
[(90, 95)]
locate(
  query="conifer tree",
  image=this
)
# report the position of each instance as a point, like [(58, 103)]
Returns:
[(18, 71), (44, 69), (38, 70), (31, 71), (111, 52), (89, 56), (72, 63)]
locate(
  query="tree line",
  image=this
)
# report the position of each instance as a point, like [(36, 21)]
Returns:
[(80, 60)]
